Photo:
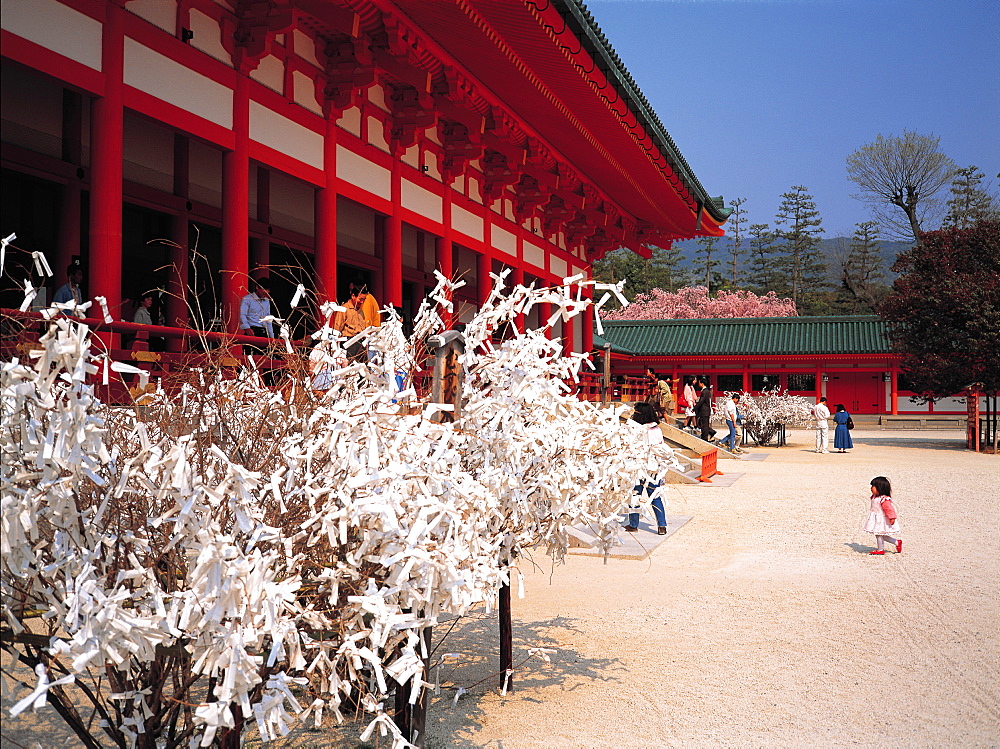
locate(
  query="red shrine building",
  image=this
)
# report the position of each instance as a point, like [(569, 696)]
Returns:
[(848, 359), (190, 145)]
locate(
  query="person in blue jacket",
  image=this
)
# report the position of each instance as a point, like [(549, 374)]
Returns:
[(842, 441)]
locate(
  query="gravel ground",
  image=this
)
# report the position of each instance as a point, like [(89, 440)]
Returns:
[(762, 622)]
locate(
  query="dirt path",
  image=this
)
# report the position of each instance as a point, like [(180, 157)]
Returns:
[(762, 622)]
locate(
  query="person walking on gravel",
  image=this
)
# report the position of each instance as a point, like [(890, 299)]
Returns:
[(822, 414), (882, 519)]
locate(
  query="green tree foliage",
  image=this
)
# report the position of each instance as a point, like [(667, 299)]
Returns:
[(861, 273), (900, 178), (971, 199), (800, 225), (943, 313), (663, 270), (765, 270), (736, 229)]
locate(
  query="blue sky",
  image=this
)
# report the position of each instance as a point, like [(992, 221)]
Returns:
[(761, 95)]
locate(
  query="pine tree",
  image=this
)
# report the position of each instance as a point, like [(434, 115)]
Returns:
[(765, 273), (663, 270), (801, 227), (971, 200), (737, 219), (862, 271), (668, 269), (704, 262)]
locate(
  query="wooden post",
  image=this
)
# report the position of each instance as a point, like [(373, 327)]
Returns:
[(606, 397), (506, 638), (446, 387)]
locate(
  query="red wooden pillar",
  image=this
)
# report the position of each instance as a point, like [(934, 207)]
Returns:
[(326, 218), (235, 202), (176, 313), (747, 382), (588, 328), (446, 249), (392, 257), (70, 233), (517, 278), (484, 266), (544, 313), (104, 271), (569, 336), (894, 392), (259, 256)]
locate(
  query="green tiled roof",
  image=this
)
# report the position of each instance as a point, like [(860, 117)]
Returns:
[(753, 336)]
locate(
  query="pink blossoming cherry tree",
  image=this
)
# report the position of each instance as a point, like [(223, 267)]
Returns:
[(694, 302)]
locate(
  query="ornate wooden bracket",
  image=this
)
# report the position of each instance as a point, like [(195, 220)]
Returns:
[(533, 190), (348, 70), (498, 173), (557, 212), (257, 22), (410, 113), (461, 145)]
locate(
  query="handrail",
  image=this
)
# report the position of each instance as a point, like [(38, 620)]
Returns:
[(120, 326)]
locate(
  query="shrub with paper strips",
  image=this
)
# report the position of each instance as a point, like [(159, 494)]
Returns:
[(230, 554), (766, 412)]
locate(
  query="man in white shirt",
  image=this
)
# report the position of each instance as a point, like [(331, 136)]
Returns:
[(821, 413), (731, 414)]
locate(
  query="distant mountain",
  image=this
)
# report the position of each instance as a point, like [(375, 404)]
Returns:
[(832, 247)]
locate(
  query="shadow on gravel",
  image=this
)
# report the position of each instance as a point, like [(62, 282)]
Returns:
[(860, 548), (475, 641), (951, 441)]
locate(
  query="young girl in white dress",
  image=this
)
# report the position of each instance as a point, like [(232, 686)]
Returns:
[(877, 522)]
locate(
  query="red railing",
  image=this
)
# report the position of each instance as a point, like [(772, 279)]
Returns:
[(710, 466), (189, 349), (193, 350)]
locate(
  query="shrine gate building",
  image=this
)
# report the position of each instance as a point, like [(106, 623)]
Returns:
[(338, 140)]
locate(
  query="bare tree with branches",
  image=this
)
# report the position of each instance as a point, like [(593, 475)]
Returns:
[(901, 174)]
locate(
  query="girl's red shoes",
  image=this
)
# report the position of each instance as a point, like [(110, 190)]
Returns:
[(899, 546), (875, 553)]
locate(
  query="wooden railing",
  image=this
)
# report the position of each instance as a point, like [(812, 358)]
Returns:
[(188, 350), (193, 351)]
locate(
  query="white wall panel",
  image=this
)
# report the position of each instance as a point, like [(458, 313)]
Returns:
[(56, 27), (208, 37), (350, 120), (376, 134), (305, 91), (468, 223), (305, 47), (534, 255), (269, 128), (271, 72), (558, 266), (503, 240), (157, 12), (362, 173), (419, 200), (175, 84), (951, 404)]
